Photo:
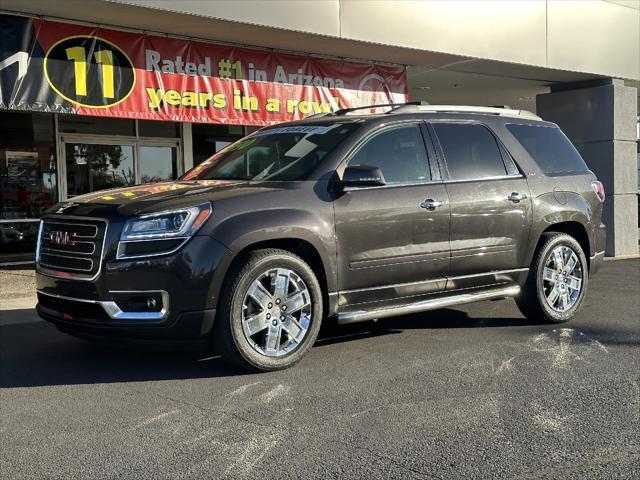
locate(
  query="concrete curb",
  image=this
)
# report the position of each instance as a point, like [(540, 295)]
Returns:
[(622, 257), (18, 303)]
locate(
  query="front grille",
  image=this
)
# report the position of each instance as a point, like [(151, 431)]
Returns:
[(72, 246)]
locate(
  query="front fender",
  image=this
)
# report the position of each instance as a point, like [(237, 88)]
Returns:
[(249, 228)]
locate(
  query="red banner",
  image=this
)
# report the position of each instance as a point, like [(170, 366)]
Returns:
[(95, 71)]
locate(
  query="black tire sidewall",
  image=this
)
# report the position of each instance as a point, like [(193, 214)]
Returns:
[(248, 274), (554, 242)]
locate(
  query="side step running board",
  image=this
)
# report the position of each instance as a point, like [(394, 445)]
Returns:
[(424, 305)]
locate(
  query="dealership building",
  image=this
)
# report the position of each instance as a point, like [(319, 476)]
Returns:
[(96, 94)]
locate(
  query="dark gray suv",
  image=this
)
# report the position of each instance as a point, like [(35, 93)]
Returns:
[(346, 215)]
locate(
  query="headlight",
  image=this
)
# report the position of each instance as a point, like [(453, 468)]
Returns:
[(162, 232)]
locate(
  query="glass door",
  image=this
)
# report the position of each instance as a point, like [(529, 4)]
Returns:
[(98, 166), (93, 163)]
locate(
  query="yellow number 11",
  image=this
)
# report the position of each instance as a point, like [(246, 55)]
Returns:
[(104, 58)]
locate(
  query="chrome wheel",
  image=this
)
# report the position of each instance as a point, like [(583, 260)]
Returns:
[(562, 278), (276, 312)]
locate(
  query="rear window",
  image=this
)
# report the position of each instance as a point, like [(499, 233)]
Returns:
[(550, 148)]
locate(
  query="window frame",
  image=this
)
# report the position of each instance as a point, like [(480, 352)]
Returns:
[(430, 154), (508, 161)]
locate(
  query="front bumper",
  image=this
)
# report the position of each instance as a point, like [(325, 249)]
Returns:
[(184, 284), (188, 330)]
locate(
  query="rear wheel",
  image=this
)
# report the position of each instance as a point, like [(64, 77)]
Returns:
[(270, 311), (557, 281)]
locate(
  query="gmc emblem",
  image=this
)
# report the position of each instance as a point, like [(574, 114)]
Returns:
[(62, 238)]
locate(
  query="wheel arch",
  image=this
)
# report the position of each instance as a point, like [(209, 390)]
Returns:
[(573, 217), (298, 246), (571, 228)]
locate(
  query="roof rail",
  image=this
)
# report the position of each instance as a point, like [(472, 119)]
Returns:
[(424, 107), (344, 111), (504, 112), (317, 115)]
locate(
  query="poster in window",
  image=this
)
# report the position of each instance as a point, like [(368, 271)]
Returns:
[(23, 168)]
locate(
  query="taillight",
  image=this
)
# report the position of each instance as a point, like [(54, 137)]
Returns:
[(599, 189)]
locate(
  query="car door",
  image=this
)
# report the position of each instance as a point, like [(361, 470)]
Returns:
[(390, 243), (490, 206)]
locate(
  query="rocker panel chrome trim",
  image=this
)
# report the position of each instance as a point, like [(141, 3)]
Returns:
[(422, 306)]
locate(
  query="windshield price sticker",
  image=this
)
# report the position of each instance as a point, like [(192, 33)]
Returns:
[(305, 129)]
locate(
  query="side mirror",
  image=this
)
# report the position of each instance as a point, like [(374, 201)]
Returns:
[(362, 176)]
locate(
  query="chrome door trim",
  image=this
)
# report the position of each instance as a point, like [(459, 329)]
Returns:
[(485, 179), (393, 185), (484, 274), (407, 284), (395, 285)]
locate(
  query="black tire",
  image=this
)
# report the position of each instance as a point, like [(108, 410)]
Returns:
[(532, 300), (229, 336)]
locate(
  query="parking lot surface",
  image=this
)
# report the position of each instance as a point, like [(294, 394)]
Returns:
[(475, 392)]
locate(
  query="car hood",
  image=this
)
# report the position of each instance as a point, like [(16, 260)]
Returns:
[(147, 198)]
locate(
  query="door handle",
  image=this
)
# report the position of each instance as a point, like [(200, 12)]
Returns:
[(430, 204), (515, 197)]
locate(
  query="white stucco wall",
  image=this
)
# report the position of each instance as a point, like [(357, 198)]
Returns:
[(591, 36)]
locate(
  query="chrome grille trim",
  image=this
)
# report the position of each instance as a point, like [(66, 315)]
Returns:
[(72, 272), (68, 268), (95, 233), (55, 250)]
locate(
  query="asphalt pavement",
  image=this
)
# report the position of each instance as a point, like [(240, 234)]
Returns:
[(470, 392)]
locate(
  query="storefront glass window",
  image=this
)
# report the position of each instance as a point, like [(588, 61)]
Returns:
[(28, 183), (158, 163), (92, 167), (210, 139)]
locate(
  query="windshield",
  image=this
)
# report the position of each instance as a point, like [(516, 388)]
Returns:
[(280, 153)]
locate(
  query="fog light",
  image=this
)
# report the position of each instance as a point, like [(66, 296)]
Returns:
[(151, 303)]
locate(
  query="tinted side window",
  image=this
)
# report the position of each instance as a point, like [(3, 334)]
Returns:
[(399, 153), (470, 151), (550, 148)]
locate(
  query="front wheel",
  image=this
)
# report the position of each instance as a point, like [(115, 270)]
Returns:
[(557, 282), (270, 312)]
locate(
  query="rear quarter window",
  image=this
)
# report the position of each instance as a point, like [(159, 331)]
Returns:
[(550, 148)]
